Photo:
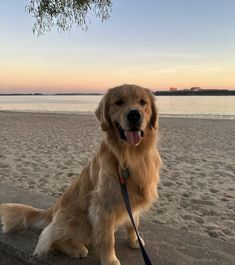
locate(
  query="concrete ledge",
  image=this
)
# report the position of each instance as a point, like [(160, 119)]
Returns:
[(166, 246)]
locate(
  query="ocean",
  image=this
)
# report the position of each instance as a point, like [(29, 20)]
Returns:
[(176, 106)]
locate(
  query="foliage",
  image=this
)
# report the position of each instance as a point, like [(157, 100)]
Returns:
[(63, 14)]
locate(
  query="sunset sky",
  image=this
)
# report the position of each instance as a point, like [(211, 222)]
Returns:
[(154, 43)]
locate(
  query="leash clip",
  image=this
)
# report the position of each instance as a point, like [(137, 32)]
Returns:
[(124, 171)]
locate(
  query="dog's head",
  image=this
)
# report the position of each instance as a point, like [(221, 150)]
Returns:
[(128, 111)]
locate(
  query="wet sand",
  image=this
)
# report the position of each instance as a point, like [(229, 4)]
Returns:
[(44, 152)]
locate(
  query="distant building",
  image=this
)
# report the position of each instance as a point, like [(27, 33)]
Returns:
[(173, 89), (196, 88)]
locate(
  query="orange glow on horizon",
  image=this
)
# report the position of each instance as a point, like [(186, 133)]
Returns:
[(19, 77)]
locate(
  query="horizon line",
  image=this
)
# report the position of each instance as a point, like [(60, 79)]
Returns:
[(102, 92)]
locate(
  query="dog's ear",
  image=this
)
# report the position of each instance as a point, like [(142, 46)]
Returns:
[(154, 116), (102, 113)]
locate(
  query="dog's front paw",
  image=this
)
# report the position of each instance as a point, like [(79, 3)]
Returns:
[(135, 243), (113, 262), (78, 253)]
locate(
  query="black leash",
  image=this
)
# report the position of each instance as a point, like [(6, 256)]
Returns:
[(122, 180)]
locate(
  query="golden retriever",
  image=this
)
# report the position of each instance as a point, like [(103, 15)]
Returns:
[(92, 207)]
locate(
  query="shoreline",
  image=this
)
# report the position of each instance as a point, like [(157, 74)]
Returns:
[(44, 152), (170, 116)]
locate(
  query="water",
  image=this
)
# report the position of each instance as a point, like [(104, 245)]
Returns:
[(50, 103), (177, 106)]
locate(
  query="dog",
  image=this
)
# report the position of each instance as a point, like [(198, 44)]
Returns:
[(92, 208)]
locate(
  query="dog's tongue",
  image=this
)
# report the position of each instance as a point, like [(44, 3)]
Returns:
[(133, 137)]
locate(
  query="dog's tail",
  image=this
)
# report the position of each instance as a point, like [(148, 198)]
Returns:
[(20, 217)]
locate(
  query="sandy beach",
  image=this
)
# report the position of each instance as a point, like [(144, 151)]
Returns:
[(44, 152)]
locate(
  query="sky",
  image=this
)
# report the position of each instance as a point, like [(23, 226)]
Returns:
[(157, 44)]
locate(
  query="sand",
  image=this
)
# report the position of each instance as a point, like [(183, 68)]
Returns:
[(44, 152)]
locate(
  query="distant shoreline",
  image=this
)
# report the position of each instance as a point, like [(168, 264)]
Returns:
[(54, 94), (206, 92), (203, 92)]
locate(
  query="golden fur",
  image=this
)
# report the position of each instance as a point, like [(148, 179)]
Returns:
[(92, 207)]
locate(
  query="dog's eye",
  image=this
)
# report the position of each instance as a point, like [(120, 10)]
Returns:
[(143, 102), (119, 102)]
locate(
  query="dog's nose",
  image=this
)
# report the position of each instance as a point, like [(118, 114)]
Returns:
[(133, 116)]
